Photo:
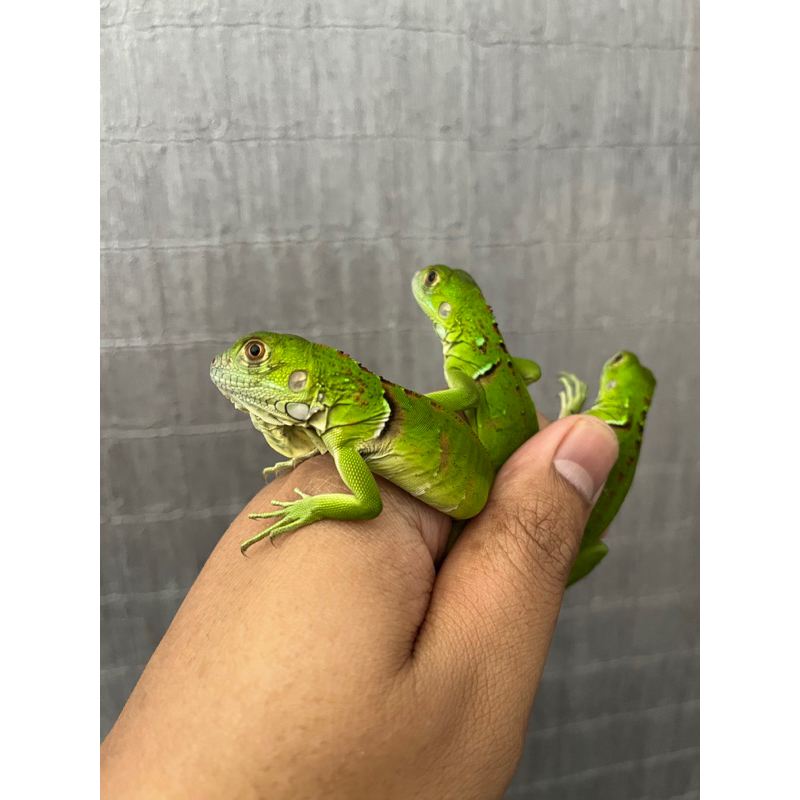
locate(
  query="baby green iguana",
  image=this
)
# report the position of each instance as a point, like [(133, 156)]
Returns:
[(486, 382), (307, 399), (626, 391)]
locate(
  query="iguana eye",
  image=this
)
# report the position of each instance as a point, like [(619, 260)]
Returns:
[(617, 358), (431, 278), (255, 350)]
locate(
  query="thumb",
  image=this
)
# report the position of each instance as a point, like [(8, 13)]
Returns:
[(499, 591)]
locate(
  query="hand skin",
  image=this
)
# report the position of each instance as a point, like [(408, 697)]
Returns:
[(338, 663)]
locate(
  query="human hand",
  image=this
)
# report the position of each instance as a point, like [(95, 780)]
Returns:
[(339, 664)]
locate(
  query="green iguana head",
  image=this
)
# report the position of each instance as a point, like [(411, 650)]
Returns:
[(623, 375), (448, 296), (271, 376)]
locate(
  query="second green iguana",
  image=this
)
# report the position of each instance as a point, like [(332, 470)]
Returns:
[(485, 382)]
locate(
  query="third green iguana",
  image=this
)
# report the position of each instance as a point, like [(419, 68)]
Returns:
[(623, 399)]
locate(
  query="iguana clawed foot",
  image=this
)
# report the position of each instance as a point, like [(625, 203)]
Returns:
[(295, 514), (283, 467), (276, 470), (573, 395)]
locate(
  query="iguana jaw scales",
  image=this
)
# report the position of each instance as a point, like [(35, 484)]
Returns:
[(252, 398)]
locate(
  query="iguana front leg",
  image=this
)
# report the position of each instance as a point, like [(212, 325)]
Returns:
[(573, 395), (364, 503), (529, 370), (283, 467), (462, 394)]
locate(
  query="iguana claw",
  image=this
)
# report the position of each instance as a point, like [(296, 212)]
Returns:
[(293, 514), (573, 395)]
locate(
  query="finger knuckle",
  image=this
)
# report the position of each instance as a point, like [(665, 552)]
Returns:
[(542, 527)]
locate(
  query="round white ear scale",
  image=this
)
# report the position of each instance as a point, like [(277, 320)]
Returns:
[(298, 411), (297, 380)]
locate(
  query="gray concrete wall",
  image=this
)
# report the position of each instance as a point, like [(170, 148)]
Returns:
[(288, 166)]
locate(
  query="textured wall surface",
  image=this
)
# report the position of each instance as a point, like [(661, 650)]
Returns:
[(288, 166)]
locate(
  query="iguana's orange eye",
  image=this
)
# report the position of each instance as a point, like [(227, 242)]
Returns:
[(431, 278), (255, 350)]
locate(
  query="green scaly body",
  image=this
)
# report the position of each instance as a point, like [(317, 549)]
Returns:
[(623, 400), (307, 399), (485, 382)]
